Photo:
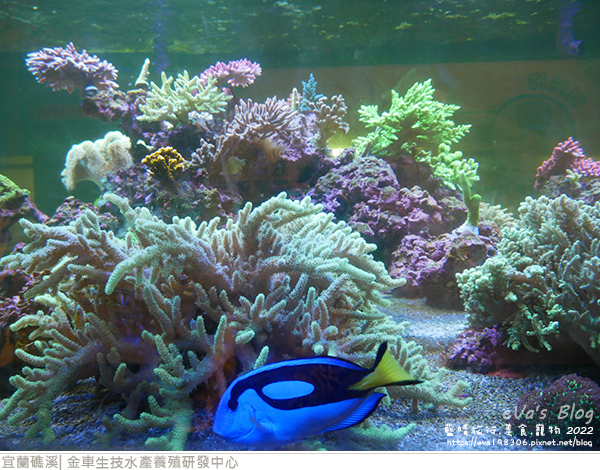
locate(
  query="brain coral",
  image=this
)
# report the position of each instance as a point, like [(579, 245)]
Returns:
[(543, 283), (157, 315)]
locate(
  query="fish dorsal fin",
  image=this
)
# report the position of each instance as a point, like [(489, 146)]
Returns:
[(359, 414), (386, 371)]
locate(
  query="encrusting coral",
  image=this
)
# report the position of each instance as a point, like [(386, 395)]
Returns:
[(166, 162), (158, 315), (93, 161), (543, 282)]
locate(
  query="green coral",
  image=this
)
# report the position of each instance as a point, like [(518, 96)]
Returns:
[(175, 99), (543, 283), (171, 307), (10, 192), (472, 201), (415, 120), (449, 166)]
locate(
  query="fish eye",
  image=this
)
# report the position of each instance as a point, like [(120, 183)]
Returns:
[(232, 404), (90, 91)]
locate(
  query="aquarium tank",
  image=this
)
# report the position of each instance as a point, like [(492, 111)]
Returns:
[(342, 225)]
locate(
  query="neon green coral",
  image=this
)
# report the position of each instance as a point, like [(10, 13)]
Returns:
[(415, 119)]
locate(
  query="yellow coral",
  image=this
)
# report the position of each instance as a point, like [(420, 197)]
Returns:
[(165, 162)]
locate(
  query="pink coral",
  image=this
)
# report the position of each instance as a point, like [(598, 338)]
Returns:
[(66, 69), (235, 73), (567, 155)]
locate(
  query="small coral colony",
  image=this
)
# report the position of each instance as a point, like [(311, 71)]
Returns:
[(229, 237)]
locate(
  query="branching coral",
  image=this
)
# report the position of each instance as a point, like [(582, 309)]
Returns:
[(66, 69), (94, 160), (259, 140), (415, 119), (566, 156), (156, 316), (328, 119), (544, 280), (449, 166), (175, 99)]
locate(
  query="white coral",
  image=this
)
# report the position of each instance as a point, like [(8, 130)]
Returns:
[(94, 160)]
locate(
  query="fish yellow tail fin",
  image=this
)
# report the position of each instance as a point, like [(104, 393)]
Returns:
[(386, 371)]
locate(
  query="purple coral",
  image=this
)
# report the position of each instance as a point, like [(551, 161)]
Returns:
[(235, 73), (66, 69), (567, 155), (477, 350)]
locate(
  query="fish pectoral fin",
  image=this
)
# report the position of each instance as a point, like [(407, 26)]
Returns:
[(262, 423), (361, 413)]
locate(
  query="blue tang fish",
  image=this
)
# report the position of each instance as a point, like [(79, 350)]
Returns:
[(287, 401)]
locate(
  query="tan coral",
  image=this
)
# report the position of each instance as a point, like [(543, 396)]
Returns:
[(176, 98), (162, 312), (94, 160)]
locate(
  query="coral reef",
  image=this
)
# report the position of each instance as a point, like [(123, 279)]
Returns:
[(175, 99), (66, 69), (542, 284), (93, 161), (366, 193), (186, 196), (166, 311), (417, 233), (571, 401)]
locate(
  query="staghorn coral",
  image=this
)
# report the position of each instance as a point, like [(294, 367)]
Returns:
[(165, 163), (175, 99), (543, 283), (328, 119), (94, 160), (414, 120), (66, 69), (157, 315)]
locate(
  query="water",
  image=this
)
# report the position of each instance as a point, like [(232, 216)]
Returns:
[(524, 74)]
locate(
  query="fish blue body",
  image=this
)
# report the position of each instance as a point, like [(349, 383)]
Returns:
[(287, 401)]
